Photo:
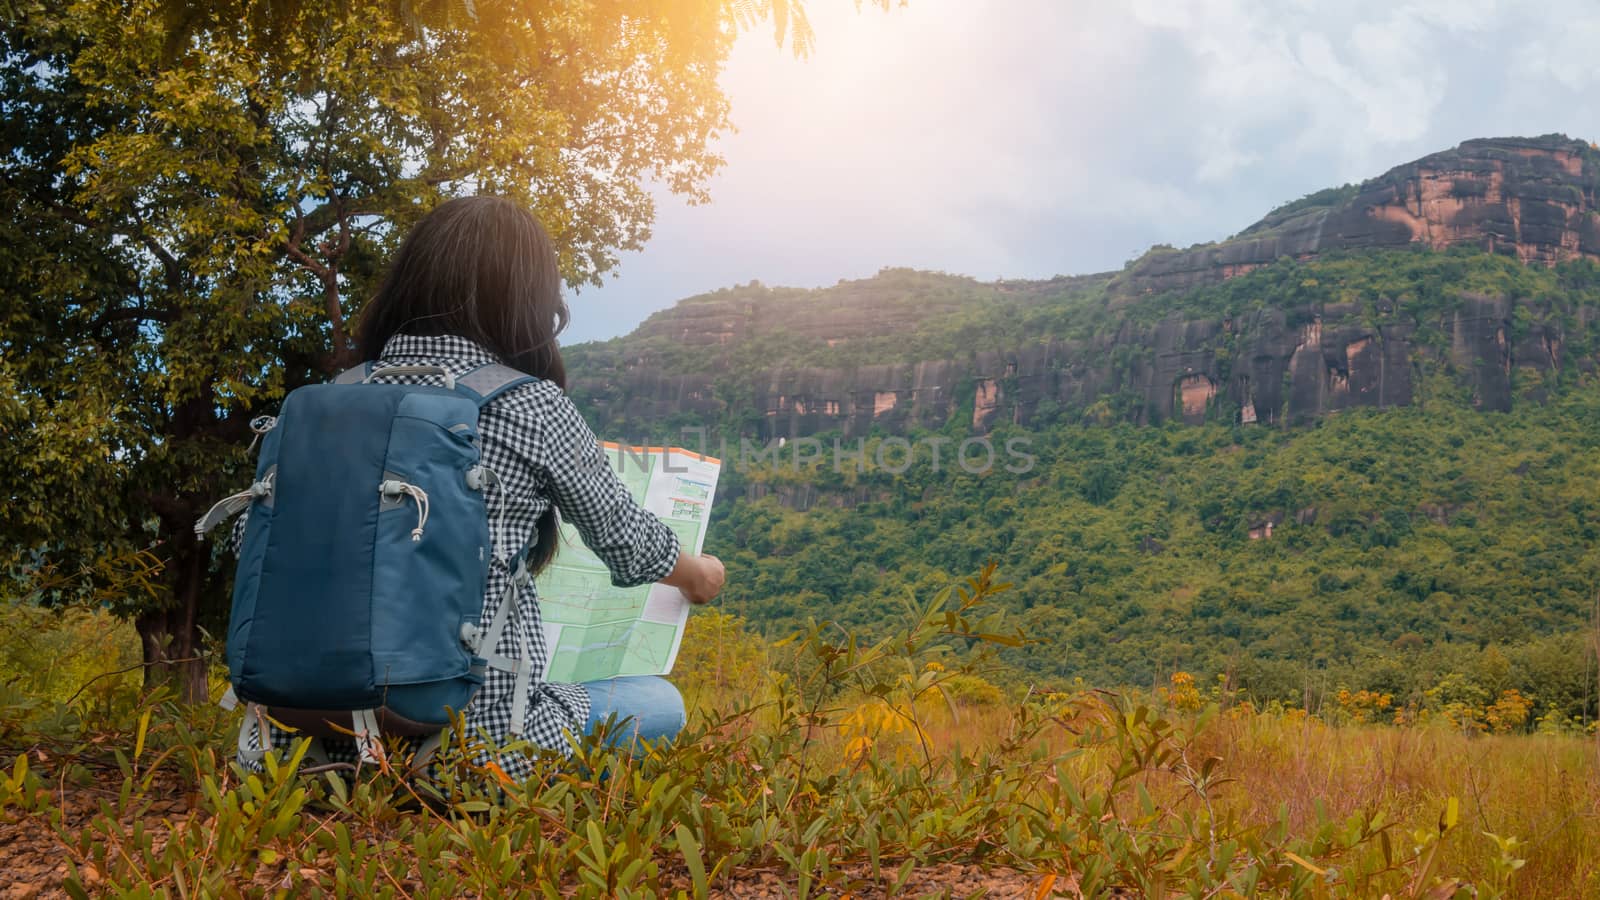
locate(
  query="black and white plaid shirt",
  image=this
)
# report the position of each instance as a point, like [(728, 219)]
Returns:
[(543, 453)]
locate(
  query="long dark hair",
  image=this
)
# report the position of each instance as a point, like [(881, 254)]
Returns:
[(482, 268)]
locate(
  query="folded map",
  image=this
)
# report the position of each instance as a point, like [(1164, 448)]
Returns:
[(595, 630)]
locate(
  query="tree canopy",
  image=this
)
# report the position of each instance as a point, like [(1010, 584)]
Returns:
[(202, 195)]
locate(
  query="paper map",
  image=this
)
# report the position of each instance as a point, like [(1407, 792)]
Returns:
[(597, 631)]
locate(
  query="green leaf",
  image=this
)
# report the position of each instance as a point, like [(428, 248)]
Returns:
[(690, 848), (138, 741), (1301, 862)]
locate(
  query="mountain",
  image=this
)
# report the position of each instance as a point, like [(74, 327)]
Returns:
[(1531, 198), (1167, 338), (1354, 446)]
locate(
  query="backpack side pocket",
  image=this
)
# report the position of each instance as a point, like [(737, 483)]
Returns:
[(431, 557)]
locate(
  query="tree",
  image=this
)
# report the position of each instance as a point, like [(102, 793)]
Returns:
[(202, 194)]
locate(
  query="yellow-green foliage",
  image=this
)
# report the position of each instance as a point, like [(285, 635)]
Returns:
[(719, 659), (64, 669), (843, 766)]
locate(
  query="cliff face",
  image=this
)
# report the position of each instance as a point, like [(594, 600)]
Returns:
[(1275, 366), (733, 356), (1534, 198)]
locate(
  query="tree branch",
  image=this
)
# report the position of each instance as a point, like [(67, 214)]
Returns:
[(131, 314), (126, 669), (295, 245), (330, 283), (169, 263)]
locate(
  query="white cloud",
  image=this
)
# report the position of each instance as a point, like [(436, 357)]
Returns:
[(1356, 78), (1568, 55)]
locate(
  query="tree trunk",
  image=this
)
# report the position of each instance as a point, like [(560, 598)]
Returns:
[(170, 637)]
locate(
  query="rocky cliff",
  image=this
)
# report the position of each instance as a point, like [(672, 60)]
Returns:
[(917, 349), (1534, 198)]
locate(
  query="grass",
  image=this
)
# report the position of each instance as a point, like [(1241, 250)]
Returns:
[(1541, 789), (826, 765)]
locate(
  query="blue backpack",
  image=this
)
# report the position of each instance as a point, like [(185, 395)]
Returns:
[(361, 573)]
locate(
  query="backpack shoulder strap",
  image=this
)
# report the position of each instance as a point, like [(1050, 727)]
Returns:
[(489, 381), (354, 375)]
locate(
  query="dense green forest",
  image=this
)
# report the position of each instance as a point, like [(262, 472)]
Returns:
[(1432, 547), (1403, 543)]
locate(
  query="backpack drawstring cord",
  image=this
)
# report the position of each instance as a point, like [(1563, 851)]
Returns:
[(394, 488), (421, 496), (234, 504), (260, 425), (499, 509)]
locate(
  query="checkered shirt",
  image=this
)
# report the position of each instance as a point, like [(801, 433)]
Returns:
[(543, 454)]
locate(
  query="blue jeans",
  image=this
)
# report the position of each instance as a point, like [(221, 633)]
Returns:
[(647, 707)]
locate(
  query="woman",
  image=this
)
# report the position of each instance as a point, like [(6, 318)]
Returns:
[(476, 281)]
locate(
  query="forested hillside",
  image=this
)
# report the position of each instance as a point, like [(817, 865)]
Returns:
[(1373, 550), (1369, 468)]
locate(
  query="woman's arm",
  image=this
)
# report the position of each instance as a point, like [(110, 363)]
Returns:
[(635, 545)]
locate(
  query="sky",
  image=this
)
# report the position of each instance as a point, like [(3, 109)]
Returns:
[(1030, 138)]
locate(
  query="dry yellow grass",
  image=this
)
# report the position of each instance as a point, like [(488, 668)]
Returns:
[(1289, 768), (1541, 789)]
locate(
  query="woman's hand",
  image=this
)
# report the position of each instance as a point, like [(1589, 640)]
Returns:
[(699, 577)]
